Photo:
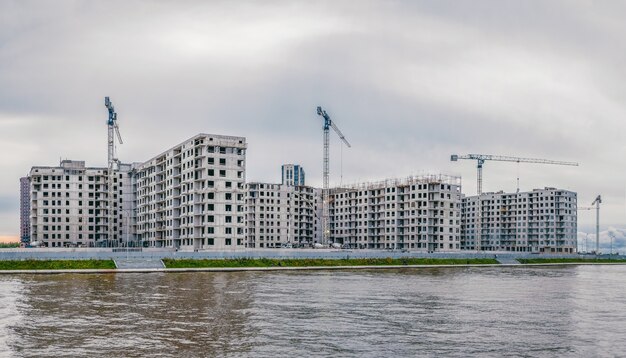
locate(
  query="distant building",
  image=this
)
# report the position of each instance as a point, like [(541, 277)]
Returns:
[(192, 195), (420, 213), (278, 215), (541, 221), (70, 205), (292, 175), (25, 210)]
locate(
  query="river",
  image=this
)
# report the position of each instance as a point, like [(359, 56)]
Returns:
[(564, 311)]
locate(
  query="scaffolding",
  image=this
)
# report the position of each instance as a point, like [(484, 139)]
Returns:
[(399, 182)]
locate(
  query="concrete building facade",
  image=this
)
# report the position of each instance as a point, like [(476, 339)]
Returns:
[(541, 221), (417, 213), (192, 195), (292, 174), (279, 215), (25, 210), (69, 205)]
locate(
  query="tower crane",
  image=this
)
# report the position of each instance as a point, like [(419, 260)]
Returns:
[(481, 158), (597, 203), (328, 123), (114, 131)]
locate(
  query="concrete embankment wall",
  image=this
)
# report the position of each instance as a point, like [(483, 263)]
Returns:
[(104, 253)]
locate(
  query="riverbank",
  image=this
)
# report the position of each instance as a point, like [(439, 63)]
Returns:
[(266, 262), (570, 260), (234, 265), (280, 254), (12, 265)]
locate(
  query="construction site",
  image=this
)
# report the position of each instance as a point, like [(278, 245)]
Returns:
[(196, 196)]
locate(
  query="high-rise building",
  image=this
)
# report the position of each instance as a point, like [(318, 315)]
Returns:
[(192, 195), (419, 213), (69, 205), (25, 210), (541, 221), (292, 174), (279, 215)]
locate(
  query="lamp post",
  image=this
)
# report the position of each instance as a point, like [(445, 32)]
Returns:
[(128, 213)]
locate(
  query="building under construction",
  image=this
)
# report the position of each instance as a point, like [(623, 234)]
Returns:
[(539, 221), (280, 215), (417, 213), (70, 205), (194, 196)]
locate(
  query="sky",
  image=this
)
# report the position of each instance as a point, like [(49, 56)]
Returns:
[(408, 82)]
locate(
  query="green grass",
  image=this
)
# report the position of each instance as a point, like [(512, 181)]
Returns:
[(56, 264), (247, 262), (567, 260), (9, 245)]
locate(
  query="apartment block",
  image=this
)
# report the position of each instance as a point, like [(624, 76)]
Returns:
[(419, 213), (192, 195), (69, 205), (292, 174), (278, 215), (25, 210), (541, 221)]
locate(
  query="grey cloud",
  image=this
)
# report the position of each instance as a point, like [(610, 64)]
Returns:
[(587, 240)]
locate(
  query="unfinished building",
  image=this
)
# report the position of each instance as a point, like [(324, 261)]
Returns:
[(69, 205), (192, 195), (539, 221), (279, 215), (417, 213)]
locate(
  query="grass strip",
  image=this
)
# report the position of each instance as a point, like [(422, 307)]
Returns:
[(249, 262), (568, 260), (9, 245), (56, 264)]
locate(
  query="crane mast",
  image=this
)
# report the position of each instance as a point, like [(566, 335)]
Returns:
[(480, 159), (113, 131), (328, 123), (597, 203)]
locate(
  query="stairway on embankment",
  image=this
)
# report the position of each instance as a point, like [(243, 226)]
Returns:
[(139, 263)]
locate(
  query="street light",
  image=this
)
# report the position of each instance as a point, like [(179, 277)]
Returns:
[(128, 218)]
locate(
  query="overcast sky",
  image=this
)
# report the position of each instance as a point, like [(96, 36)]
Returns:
[(408, 83)]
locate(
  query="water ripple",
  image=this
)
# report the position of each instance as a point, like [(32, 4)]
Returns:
[(457, 312)]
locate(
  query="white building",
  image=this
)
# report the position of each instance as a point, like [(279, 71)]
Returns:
[(279, 215), (417, 213), (292, 174), (69, 205), (543, 220), (192, 195)]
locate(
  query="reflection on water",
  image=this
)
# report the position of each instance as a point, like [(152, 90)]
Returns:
[(567, 311), (132, 315)]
